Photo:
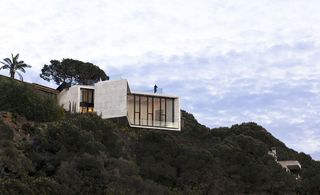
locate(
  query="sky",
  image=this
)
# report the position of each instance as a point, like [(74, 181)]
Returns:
[(230, 61)]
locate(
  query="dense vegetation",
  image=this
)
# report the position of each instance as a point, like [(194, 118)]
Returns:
[(83, 154), (20, 98)]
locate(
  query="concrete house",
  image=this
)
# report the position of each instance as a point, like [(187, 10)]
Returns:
[(292, 166), (114, 99)]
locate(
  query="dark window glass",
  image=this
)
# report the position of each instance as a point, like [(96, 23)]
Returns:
[(86, 95), (86, 100)]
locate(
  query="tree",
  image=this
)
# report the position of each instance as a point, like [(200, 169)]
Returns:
[(87, 73), (72, 72), (14, 65)]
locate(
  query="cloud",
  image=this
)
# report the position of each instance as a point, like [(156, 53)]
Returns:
[(230, 61), (279, 88)]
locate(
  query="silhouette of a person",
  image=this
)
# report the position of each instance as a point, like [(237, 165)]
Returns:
[(155, 88)]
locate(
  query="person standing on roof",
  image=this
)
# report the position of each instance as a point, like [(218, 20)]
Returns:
[(155, 88)]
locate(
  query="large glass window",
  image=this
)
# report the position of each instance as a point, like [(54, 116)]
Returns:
[(156, 111), (163, 112), (144, 111), (87, 95), (169, 112), (86, 100), (136, 103), (151, 111)]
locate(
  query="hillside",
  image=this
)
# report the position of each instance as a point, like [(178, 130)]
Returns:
[(84, 154)]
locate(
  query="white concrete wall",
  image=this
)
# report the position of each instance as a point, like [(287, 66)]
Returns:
[(177, 112), (110, 98), (68, 97)]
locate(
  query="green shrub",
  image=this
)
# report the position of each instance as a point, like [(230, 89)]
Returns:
[(20, 98), (45, 186), (14, 186), (5, 132), (13, 163)]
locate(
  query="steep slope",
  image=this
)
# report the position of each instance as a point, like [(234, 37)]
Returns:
[(83, 154)]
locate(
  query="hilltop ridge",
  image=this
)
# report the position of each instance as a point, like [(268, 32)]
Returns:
[(84, 154), (105, 157)]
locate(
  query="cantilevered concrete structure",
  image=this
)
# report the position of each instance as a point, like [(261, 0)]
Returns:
[(113, 99), (292, 166)]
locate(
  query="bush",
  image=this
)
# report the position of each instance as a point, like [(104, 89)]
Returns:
[(14, 186), (13, 163), (45, 186), (20, 98), (5, 132)]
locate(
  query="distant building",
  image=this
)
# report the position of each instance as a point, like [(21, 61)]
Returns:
[(292, 166)]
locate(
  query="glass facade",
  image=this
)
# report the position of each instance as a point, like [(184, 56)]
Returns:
[(86, 100), (151, 111)]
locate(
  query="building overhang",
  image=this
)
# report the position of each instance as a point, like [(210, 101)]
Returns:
[(155, 128), (291, 164)]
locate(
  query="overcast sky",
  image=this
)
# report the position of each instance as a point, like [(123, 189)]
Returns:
[(230, 61)]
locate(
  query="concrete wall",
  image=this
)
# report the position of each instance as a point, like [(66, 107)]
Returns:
[(110, 98), (177, 112), (69, 99)]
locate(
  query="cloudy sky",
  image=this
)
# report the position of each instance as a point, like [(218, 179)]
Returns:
[(230, 61)]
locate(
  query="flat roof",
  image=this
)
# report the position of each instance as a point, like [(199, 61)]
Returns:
[(140, 93), (154, 94)]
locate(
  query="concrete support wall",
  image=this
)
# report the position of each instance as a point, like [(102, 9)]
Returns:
[(110, 98), (177, 112)]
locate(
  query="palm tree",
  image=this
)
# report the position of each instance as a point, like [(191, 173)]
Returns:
[(14, 66)]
